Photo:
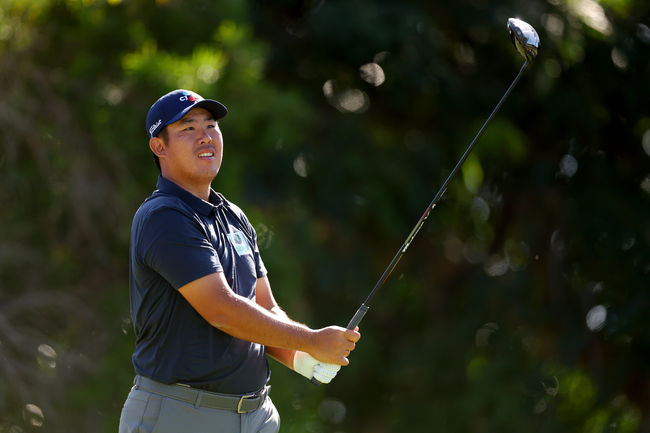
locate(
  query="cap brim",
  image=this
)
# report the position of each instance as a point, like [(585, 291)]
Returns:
[(217, 109)]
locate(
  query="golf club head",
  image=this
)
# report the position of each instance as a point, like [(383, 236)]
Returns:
[(524, 38)]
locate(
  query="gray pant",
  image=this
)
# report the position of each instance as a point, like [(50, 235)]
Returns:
[(146, 412)]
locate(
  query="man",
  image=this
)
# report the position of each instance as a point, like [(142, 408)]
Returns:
[(201, 303)]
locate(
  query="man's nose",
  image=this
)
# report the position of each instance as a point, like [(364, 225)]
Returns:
[(206, 137)]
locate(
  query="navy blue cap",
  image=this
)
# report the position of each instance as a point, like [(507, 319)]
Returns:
[(174, 105)]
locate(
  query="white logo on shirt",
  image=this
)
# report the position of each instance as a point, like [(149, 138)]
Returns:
[(238, 240)]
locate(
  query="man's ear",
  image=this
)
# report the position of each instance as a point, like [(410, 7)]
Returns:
[(157, 146)]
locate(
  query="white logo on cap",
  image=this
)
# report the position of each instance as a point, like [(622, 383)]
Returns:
[(154, 126)]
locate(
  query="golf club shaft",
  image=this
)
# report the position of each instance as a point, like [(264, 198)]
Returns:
[(363, 309), (391, 266)]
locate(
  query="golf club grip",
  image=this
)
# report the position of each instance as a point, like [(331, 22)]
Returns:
[(356, 319), (354, 322)]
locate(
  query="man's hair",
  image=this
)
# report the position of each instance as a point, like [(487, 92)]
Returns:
[(164, 135)]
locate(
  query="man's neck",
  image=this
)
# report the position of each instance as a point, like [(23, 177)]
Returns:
[(200, 190)]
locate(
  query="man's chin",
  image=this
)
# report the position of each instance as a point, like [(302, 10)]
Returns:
[(210, 173)]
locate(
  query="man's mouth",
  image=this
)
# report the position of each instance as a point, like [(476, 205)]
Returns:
[(206, 154)]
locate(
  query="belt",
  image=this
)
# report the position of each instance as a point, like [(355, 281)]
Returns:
[(200, 398)]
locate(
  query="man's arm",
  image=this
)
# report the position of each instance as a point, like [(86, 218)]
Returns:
[(300, 362), (242, 318), (265, 298)]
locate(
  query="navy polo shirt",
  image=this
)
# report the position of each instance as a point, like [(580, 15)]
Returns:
[(177, 238)]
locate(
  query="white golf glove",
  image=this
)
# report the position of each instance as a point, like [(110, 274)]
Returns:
[(309, 367)]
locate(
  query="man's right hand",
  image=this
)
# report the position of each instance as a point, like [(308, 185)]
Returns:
[(332, 345)]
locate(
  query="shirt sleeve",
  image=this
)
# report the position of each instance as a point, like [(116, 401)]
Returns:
[(176, 246)]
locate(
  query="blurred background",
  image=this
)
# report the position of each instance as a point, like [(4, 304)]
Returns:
[(523, 303)]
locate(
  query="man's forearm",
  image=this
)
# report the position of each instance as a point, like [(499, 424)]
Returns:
[(284, 356), (243, 318)]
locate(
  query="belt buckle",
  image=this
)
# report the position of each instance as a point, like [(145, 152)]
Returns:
[(241, 401)]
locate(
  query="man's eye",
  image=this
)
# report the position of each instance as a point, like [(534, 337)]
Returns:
[(189, 128)]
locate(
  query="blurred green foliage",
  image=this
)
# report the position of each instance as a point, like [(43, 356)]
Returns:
[(520, 307)]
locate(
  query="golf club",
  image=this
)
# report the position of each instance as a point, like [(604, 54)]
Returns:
[(525, 39)]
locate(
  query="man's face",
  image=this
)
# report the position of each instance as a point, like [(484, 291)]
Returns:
[(193, 149)]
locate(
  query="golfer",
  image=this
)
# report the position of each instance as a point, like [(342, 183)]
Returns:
[(204, 315)]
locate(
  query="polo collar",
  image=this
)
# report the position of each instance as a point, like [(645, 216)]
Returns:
[(201, 206)]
